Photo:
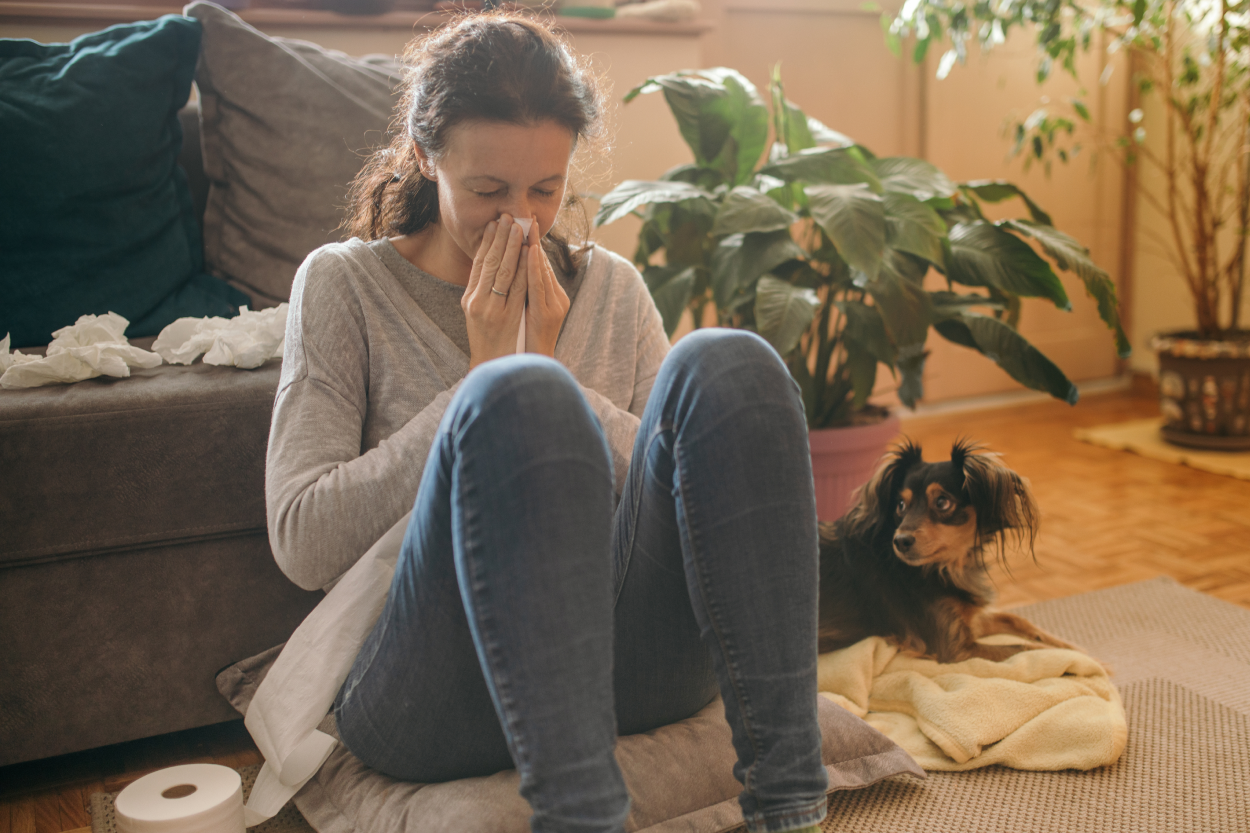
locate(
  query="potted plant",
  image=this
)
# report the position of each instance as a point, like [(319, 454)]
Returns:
[(822, 248), (1190, 57)]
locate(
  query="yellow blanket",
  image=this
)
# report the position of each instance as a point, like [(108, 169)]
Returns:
[(1045, 709)]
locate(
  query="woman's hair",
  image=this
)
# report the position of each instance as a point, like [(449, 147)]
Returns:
[(497, 66)]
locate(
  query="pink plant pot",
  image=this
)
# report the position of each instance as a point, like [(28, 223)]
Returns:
[(843, 459)]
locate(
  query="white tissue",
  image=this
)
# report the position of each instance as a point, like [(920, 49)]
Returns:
[(94, 345), (248, 340), (524, 223)]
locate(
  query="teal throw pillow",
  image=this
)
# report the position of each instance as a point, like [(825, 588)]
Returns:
[(95, 213)]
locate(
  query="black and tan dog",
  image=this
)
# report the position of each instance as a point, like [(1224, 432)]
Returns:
[(907, 561)]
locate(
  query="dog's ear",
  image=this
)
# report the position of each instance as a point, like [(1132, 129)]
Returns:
[(872, 507), (1003, 501)]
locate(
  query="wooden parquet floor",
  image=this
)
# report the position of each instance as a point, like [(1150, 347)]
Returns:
[(1108, 517)]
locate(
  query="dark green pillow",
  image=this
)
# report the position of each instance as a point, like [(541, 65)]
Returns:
[(95, 214)]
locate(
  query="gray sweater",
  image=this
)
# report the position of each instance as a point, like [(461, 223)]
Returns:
[(367, 375)]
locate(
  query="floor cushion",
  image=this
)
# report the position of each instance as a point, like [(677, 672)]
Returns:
[(96, 215), (679, 777), (285, 125)]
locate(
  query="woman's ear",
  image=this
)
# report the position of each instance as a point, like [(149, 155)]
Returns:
[(424, 163)]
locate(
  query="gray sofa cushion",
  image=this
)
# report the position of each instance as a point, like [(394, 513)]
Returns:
[(680, 777), (283, 124), (172, 454)]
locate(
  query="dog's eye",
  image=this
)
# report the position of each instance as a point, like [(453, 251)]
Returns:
[(902, 506), (943, 503)]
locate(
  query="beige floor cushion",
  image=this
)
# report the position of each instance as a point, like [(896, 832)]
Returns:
[(680, 777)]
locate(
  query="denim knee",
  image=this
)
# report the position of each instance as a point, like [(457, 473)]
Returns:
[(523, 395), (733, 361), (523, 407)]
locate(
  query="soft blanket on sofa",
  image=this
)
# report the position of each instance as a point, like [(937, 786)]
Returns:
[(1044, 709)]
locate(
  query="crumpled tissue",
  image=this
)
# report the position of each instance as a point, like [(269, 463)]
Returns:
[(94, 345), (248, 340)]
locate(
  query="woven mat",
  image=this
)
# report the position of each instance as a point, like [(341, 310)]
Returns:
[(1142, 437), (1182, 662), (288, 820)]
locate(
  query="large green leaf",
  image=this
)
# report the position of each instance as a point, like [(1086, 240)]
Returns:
[(917, 177), (705, 178), (1071, 256), (864, 326), (905, 307), (982, 254), (650, 240), (746, 209), (827, 136), (833, 166), (687, 241), (670, 289), (634, 193), (740, 259), (911, 374), (862, 366), (854, 219), (789, 122), (997, 190), (952, 303), (690, 98), (720, 115), (912, 226), (798, 130), (748, 115), (783, 312), (1010, 351)]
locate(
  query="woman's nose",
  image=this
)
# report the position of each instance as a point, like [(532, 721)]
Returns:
[(518, 208)]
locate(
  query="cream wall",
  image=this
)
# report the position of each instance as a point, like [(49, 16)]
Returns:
[(836, 66)]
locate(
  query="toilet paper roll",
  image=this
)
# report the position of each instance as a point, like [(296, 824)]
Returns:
[(193, 798)]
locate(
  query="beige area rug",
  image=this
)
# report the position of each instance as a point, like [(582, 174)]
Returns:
[(1142, 437), (1182, 663)]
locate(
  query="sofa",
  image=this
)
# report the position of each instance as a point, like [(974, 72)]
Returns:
[(134, 559)]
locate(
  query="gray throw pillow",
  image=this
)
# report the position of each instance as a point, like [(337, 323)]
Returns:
[(680, 777), (284, 125)]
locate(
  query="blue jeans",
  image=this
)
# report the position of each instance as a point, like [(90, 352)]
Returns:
[(527, 626)]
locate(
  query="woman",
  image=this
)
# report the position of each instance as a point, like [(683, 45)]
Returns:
[(602, 537)]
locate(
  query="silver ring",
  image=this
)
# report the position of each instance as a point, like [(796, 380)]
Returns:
[(497, 292)]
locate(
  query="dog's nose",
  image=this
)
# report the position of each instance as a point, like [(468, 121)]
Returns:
[(903, 541)]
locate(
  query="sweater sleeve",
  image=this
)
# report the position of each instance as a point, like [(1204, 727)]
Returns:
[(316, 479)]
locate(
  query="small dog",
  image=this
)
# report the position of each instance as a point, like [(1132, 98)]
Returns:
[(907, 561)]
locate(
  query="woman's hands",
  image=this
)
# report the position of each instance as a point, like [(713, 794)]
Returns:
[(494, 300), (507, 272), (548, 302)]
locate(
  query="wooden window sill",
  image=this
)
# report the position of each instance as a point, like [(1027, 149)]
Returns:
[(107, 14)]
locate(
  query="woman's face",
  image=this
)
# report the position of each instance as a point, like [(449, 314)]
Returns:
[(489, 169)]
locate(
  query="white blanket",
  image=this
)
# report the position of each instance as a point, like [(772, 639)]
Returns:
[(1044, 709)]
